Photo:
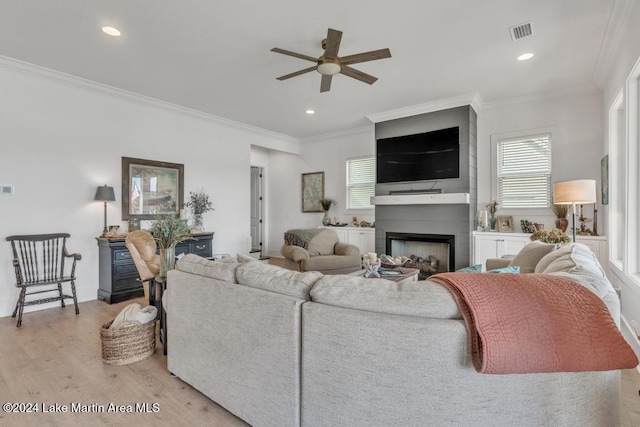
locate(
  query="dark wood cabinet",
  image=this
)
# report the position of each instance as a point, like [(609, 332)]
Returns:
[(118, 277)]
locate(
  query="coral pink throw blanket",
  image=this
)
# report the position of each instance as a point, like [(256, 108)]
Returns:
[(525, 323)]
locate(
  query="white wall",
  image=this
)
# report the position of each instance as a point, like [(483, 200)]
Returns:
[(620, 60), (573, 117), (328, 154), (59, 141)]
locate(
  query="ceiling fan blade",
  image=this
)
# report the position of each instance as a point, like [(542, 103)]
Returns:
[(365, 56), (333, 43), (358, 75), (297, 73), (294, 54), (325, 84)]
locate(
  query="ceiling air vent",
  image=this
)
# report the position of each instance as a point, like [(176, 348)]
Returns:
[(6, 190), (521, 31)]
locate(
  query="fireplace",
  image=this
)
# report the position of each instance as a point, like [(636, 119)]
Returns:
[(432, 253)]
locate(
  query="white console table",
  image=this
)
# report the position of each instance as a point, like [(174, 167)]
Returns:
[(495, 245)]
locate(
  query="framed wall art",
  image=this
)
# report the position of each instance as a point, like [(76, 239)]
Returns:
[(604, 179), (505, 224), (312, 191), (151, 188)]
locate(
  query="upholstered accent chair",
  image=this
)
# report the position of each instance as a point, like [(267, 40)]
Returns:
[(319, 250), (142, 247)]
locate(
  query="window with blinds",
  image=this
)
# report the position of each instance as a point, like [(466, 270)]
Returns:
[(361, 182), (524, 172)]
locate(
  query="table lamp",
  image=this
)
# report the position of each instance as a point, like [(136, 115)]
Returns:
[(576, 192), (105, 194)]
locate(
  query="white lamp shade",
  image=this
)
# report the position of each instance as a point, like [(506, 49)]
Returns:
[(579, 191)]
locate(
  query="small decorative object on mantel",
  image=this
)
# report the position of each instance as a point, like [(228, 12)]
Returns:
[(561, 212), (200, 204), (168, 231), (492, 208), (527, 226), (326, 204), (505, 224)]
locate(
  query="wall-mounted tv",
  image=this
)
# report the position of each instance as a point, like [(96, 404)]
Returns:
[(424, 156)]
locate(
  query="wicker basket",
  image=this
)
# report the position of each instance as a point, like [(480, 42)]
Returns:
[(130, 343)]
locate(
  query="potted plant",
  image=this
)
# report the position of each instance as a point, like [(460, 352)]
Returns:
[(168, 231), (554, 235), (561, 212), (200, 204), (326, 204), (492, 208)]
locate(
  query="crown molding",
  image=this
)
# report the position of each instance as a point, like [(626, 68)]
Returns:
[(617, 27), (586, 87), (332, 135), (60, 78), (472, 99)]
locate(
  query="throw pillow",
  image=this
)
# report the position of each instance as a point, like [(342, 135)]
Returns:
[(530, 255), (471, 269), (510, 269)]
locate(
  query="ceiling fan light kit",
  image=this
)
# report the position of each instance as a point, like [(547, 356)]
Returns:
[(331, 64)]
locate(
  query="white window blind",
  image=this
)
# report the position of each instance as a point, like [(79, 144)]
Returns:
[(524, 172), (361, 182)]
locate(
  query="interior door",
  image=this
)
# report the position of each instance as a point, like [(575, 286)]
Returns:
[(256, 209)]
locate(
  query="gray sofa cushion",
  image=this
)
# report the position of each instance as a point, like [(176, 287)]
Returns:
[(191, 263), (421, 299), (272, 278), (530, 255)]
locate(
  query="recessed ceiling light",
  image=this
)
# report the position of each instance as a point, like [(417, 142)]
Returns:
[(111, 31), (525, 56), (310, 112)]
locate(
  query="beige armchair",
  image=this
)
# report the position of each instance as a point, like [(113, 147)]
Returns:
[(319, 250)]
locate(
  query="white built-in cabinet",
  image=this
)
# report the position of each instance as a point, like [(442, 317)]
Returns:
[(495, 245), (363, 238)]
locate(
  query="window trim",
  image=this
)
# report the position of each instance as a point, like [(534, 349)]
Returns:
[(553, 133)]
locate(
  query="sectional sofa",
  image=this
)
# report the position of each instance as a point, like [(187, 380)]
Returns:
[(283, 348)]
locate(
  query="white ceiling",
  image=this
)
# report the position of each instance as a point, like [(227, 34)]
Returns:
[(214, 56)]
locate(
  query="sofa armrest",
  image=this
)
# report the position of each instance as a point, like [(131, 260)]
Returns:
[(295, 253), (493, 263), (345, 249)]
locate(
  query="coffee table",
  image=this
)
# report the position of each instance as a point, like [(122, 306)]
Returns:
[(406, 274)]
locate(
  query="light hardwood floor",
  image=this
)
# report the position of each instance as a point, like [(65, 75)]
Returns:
[(55, 358)]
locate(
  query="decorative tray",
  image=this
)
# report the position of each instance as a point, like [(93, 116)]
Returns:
[(339, 224)]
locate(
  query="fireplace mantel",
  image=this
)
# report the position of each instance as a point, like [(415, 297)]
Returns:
[(422, 199)]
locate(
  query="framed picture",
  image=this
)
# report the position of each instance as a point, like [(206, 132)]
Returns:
[(151, 188), (312, 191), (505, 224), (604, 178)]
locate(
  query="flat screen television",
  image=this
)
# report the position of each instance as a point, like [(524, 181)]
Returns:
[(420, 157)]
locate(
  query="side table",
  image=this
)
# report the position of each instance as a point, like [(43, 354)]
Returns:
[(162, 285)]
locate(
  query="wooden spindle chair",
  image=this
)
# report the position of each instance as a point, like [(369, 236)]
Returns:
[(39, 260)]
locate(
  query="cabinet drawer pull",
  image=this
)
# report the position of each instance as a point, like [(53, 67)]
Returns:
[(201, 246)]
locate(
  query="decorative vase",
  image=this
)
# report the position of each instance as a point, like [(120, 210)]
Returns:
[(562, 224), (492, 223), (198, 223), (326, 219), (167, 260)]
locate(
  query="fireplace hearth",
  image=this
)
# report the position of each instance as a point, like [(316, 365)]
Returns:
[(431, 253)]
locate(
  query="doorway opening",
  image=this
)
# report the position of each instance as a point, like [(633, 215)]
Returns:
[(257, 210)]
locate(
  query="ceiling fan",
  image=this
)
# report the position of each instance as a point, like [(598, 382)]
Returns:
[(331, 64)]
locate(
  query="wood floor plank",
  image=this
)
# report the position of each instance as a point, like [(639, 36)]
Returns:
[(55, 358)]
